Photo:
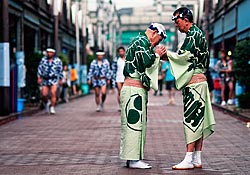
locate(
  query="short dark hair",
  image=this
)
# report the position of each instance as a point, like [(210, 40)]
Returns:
[(183, 12), (121, 47), (223, 51)]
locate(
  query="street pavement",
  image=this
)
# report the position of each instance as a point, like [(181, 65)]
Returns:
[(79, 141)]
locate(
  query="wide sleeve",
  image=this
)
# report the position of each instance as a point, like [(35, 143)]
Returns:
[(39, 69), (152, 73), (181, 67), (145, 56), (108, 71), (192, 58), (91, 70), (114, 68), (60, 69)]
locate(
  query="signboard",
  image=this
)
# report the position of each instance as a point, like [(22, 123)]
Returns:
[(20, 69), (4, 65)]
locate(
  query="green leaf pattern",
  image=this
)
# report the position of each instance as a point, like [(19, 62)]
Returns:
[(139, 56), (196, 43)]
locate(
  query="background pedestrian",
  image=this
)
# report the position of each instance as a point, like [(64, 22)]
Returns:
[(49, 71), (99, 75)]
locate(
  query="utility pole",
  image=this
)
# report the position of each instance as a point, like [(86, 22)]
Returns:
[(84, 34), (56, 22), (4, 59), (176, 40), (207, 9), (57, 9)]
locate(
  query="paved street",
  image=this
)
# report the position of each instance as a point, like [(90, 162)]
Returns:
[(79, 141)]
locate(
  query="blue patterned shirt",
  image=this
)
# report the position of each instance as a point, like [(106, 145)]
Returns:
[(49, 72), (99, 71)]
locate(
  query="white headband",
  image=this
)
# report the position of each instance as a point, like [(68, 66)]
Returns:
[(51, 50), (160, 29), (100, 53)]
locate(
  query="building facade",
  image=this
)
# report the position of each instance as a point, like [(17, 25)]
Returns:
[(228, 23), (135, 20), (32, 26)]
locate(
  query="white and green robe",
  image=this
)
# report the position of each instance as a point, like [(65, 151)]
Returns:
[(191, 59), (141, 64)]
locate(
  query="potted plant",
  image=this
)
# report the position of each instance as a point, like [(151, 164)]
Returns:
[(241, 69)]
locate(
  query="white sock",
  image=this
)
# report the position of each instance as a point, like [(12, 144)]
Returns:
[(186, 163), (189, 156), (197, 157)]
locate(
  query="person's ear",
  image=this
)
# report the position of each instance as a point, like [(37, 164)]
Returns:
[(154, 32)]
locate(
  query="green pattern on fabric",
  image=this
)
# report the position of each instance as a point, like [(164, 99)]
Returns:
[(138, 103), (140, 64), (194, 107), (195, 42), (191, 59), (198, 116), (133, 116), (139, 56), (133, 122)]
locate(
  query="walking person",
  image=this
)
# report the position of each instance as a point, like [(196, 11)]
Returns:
[(160, 80), (117, 68), (230, 81), (140, 71), (73, 79), (169, 82), (221, 67), (49, 71), (224, 69), (99, 75), (188, 66), (66, 84)]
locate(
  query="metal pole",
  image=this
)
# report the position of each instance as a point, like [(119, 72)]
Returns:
[(84, 34), (5, 20), (4, 78), (56, 18), (207, 9)]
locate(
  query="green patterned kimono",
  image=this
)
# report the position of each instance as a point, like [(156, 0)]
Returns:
[(140, 64), (193, 58)]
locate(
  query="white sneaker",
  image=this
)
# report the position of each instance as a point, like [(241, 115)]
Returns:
[(223, 103), (230, 102), (98, 108), (52, 110), (138, 164), (102, 106)]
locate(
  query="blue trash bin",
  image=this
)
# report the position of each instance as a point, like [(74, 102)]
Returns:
[(85, 88), (20, 104)]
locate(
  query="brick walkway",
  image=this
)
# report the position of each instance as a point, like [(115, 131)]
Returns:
[(78, 141)]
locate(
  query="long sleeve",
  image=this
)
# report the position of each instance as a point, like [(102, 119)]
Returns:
[(91, 70), (108, 74), (114, 68), (60, 69), (192, 58), (139, 56), (39, 69)]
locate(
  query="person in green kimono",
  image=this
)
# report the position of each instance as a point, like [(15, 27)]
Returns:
[(141, 74), (188, 66)]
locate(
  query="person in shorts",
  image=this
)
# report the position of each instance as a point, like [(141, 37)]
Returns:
[(49, 73)]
